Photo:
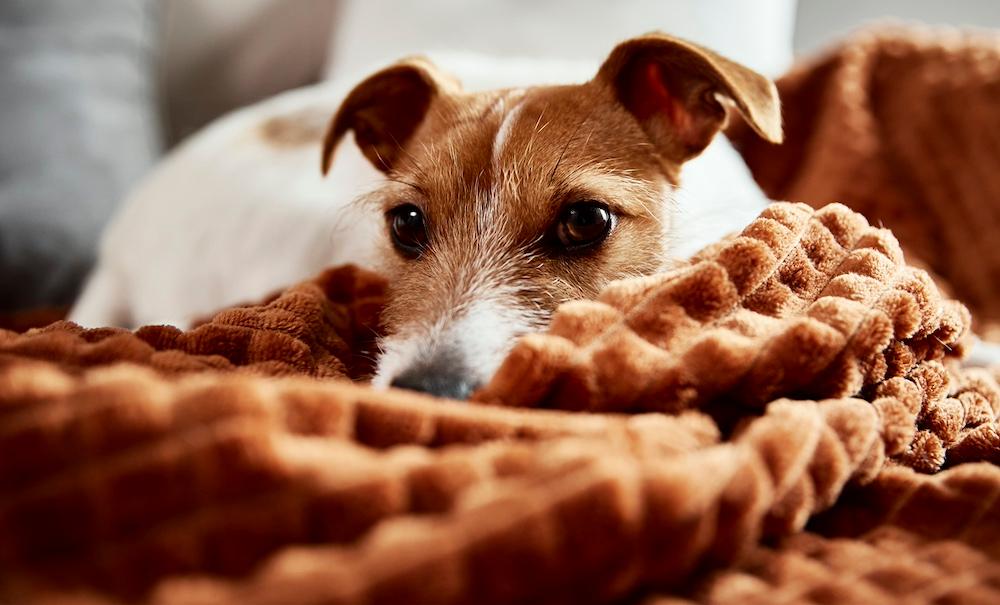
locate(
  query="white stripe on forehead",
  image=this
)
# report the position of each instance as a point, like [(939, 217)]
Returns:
[(507, 124)]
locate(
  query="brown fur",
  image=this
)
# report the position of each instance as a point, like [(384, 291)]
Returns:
[(304, 127)]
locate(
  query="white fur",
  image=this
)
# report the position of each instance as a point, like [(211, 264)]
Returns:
[(504, 131), (228, 218), (717, 196), (481, 333)]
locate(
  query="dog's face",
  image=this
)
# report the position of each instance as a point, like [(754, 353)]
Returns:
[(501, 205)]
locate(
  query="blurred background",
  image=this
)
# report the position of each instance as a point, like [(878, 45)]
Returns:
[(93, 93), (286, 41)]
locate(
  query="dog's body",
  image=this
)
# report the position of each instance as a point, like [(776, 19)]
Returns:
[(490, 173), (248, 192)]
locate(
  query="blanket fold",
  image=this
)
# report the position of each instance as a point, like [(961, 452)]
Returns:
[(783, 420)]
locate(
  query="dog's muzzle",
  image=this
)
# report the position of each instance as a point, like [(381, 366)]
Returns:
[(443, 375)]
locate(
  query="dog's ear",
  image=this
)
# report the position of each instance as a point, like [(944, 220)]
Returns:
[(678, 91), (385, 110)]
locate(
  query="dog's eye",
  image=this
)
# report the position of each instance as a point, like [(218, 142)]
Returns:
[(409, 234), (584, 224)]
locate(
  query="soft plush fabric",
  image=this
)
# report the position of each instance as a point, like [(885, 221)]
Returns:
[(236, 452), (901, 125), (77, 113), (783, 420)]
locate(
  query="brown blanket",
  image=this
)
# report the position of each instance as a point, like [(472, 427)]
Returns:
[(782, 421), (901, 125)]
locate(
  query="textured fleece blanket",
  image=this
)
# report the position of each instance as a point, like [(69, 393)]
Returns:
[(902, 125), (782, 420)]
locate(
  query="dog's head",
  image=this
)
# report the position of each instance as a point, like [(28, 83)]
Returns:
[(501, 205)]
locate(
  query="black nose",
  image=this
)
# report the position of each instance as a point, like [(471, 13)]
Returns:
[(443, 376)]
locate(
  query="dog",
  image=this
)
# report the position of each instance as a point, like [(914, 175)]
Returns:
[(499, 206), (495, 206)]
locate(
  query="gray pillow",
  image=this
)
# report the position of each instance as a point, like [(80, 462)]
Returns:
[(78, 123)]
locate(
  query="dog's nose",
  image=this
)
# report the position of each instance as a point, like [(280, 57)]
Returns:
[(443, 376)]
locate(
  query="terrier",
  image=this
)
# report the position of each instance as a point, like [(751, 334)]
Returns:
[(501, 205)]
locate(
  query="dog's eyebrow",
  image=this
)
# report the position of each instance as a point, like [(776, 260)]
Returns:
[(388, 193), (629, 194), (396, 179), (569, 140)]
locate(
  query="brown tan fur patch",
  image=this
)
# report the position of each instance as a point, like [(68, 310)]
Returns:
[(303, 127)]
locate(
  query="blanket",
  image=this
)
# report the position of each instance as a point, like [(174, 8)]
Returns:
[(900, 123), (784, 419)]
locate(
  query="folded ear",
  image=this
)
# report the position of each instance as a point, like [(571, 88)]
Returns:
[(385, 110), (678, 91)]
